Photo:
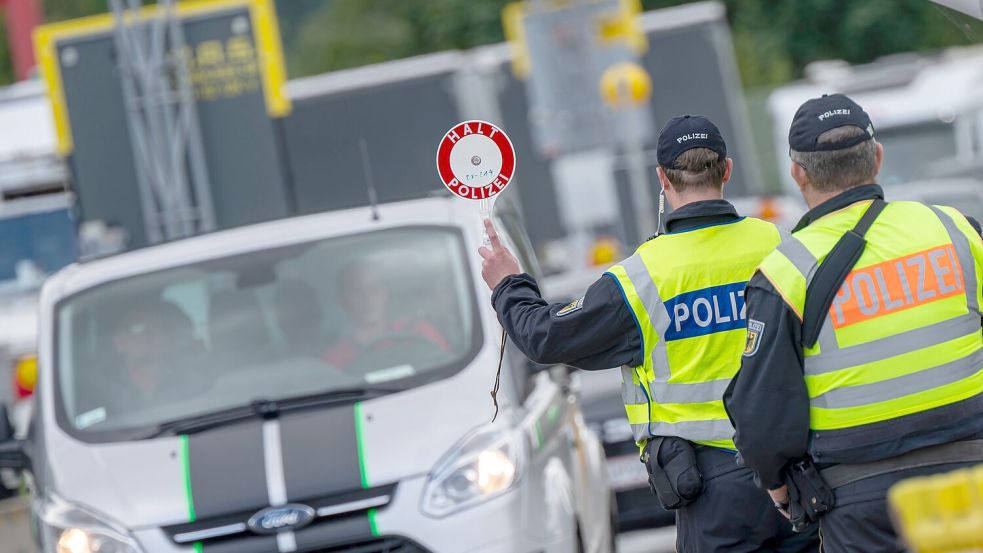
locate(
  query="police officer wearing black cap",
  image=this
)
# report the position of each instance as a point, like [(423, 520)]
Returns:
[(864, 356), (672, 316)]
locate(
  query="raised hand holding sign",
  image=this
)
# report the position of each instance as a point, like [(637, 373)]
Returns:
[(498, 260), (476, 161)]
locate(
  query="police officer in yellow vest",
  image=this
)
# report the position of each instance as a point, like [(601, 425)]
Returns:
[(851, 383), (673, 317)]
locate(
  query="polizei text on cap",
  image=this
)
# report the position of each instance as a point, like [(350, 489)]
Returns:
[(833, 112), (692, 136)]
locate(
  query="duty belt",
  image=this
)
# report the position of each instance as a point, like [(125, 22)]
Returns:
[(966, 451)]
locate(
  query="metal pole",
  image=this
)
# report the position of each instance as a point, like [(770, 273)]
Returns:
[(190, 127), (163, 122), (135, 124), (637, 166)]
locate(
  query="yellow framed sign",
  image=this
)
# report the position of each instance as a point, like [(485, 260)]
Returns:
[(249, 58)]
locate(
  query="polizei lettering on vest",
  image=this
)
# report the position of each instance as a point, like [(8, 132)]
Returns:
[(897, 284), (702, 312)]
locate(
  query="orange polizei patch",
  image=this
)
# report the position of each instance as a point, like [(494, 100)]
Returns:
[(897, 284)]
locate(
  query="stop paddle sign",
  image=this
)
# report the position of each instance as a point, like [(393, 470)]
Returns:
[(475, 160)]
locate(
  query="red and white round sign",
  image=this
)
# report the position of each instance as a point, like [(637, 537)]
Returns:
[(475, 160)]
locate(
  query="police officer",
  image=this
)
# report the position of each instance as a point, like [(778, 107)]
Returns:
[(892, 386), (672, 316)]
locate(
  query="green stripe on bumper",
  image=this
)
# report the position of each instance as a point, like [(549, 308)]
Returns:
[(360, 440), (186, 470)]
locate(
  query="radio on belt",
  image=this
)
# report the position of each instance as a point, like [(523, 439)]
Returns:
[(476, 161)]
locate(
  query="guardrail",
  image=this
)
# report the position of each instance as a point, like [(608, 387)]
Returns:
[(15, 526)]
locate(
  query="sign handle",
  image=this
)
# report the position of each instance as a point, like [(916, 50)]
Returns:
[(484, 212)]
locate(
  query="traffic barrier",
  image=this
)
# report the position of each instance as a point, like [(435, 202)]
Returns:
[(940, 513)]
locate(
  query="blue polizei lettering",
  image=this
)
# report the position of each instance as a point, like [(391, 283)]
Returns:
[(702, 312)]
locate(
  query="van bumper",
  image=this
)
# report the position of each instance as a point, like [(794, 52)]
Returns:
[(519, 521)]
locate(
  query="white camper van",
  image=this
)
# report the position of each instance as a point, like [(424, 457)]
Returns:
[(319, 383)]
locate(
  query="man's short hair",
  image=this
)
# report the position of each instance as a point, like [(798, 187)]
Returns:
[(835, 170), (697, 169)]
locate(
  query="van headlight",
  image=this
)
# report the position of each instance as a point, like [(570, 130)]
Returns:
[(68, 528), (483, 465)]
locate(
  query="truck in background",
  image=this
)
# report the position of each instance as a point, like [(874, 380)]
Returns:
[(926, 110), (399, 110)]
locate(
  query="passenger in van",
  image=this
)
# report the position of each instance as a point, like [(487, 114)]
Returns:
[(151, 340), (365, 298)]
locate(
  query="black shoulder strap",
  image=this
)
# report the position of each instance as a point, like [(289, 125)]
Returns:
[(833, 271)]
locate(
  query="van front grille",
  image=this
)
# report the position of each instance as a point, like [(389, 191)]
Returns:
[(386, 544)]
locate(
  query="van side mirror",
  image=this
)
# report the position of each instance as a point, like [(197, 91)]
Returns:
[(12, 455)]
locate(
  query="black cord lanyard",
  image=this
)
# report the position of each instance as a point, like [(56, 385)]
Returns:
[(498, 376)]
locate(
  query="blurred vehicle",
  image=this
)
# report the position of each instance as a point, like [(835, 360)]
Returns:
[(316, 383), (600, 396), (604, 411), (966, 194), (37, 237), (926, 110), (335, 114)]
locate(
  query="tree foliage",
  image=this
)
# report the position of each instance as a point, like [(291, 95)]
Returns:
[(774, 40)]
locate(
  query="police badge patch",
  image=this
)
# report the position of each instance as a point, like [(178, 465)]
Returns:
[(571, 307), (754, 331)]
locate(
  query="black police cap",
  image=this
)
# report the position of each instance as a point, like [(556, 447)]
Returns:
[(825, 113), (685, 132)]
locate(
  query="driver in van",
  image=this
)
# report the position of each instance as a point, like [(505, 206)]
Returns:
[(364, 296), (149, 340)]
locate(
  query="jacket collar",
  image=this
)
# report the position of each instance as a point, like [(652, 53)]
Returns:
[(700, 214), (841, 200)]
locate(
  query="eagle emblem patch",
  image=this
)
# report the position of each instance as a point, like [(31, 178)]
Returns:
[(569, 308), (754, 331)]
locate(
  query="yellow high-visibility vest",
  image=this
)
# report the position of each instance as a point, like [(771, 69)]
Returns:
[(902, 336), (686, 291)]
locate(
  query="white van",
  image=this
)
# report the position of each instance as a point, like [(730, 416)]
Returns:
[(313, 384)]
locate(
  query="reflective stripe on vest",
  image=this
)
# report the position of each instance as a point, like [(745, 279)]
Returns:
[(903, 334), (686, 292)]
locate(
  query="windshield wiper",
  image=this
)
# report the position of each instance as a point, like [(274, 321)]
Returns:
[(262, 408)]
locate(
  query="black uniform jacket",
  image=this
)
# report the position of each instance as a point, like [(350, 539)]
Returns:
[(598, 332), (767, 400)]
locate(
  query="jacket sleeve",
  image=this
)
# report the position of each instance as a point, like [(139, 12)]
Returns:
[(594, 332), (767, 400)]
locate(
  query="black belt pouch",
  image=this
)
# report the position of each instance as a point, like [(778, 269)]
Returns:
[(810, 497), (673, 473)]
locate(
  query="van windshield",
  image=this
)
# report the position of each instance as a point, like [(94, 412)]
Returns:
[(385, 310)]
